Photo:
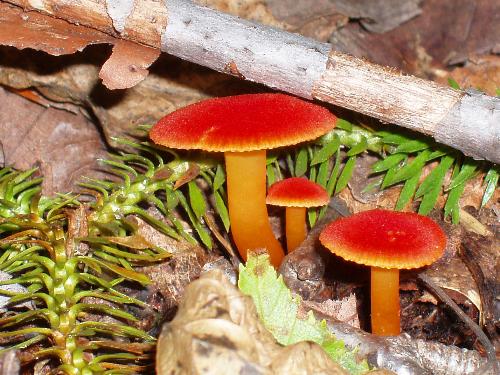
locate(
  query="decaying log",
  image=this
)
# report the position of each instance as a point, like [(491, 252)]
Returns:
[(468, 121)]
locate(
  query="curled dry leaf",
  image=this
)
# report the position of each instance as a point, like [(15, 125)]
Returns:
[(127, 65), (65, 146), (217, 331)]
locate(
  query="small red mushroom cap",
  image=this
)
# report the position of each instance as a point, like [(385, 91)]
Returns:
[(243, 123), (386, 239), (297, 192)]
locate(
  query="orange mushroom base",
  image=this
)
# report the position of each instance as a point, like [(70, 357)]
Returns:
[(385, 301), (295, 227), (246, 191)]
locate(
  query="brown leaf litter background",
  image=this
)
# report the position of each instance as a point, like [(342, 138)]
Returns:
[(72, 114)]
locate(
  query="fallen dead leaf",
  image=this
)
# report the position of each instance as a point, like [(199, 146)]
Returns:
[(127, 65), (65, 146), (217, 331)]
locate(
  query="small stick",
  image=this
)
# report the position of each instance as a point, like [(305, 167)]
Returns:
[(488, 346)]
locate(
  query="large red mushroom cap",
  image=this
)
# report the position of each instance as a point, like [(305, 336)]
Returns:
[(243, 123), (243, 127), (297, 192), (386, 239)]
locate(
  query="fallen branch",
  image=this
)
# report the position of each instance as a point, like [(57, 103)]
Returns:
[(468, 121)]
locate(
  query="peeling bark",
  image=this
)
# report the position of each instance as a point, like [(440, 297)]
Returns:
[(467, 121)]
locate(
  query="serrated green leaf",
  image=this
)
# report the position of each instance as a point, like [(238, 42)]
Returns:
[(220, 177), (301, 162), (221, 209), (412, 146), (491, 180), (326, 152), (346, 174), (197, 200), (278, 310), (361, 146), (387, 163)]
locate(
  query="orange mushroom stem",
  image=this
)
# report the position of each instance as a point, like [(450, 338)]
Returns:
[(295, 219), (296, 194), (385, 309), (246, 191)]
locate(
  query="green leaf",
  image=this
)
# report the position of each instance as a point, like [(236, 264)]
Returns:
[(271, 177), (278, 310), (343, 124), (412, 146), (361, 146), (491, 180), (330, 186), (220, 177), (325, 152), (407, 192), (452, 206), (466, 172), (346, 174), (322, 177), (387, 163), (220, 207), (195, 222), (301, 162), (453, 84), (436, 176), (393, 138), (196, 199), (431, 187), (409, 170)]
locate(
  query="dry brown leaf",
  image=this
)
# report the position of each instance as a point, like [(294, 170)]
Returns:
[(481, 73), (447, 32), (217, 331), (343, 310), (65, 146), (127, 65), (33, 30)]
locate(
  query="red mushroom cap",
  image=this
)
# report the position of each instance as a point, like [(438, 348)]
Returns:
[(386, 239), (297, 192), (243, 123)]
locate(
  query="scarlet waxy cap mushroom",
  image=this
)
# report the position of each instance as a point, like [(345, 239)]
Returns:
[(296, 194), (387, 241), (243, 127)]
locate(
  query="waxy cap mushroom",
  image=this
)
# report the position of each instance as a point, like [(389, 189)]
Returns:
[(243, 127), (296, 194), (387, 241)]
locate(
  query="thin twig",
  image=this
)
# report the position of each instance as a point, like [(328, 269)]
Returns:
[(488, 346)]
